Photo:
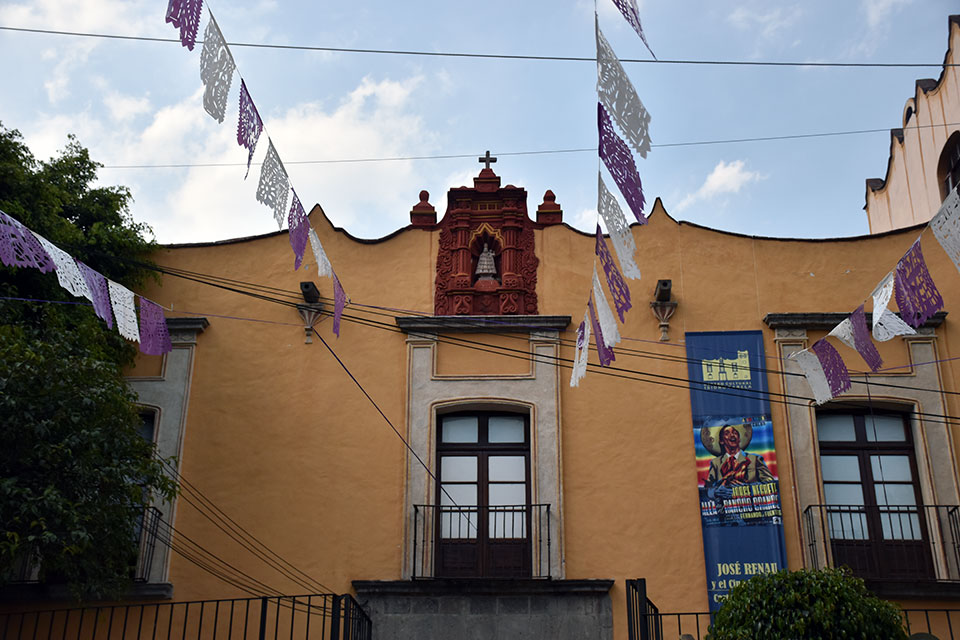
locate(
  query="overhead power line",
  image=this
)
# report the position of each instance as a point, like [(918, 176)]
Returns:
[(208, 509), (497, 56), (695, 143), (635, 375)]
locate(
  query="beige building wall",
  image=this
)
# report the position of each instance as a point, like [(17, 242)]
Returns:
[(911, 191), (282, 439)]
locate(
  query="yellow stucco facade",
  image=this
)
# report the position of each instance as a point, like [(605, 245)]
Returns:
[(316, 444), (283, 440)]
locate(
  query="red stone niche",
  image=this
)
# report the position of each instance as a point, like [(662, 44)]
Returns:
[(498, 216)]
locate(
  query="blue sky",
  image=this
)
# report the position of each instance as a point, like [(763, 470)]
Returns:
[(135, 102)]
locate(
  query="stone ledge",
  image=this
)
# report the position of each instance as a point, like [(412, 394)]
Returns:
[(37, 592), (480, 586), (197, 324), (925, 589), (482, 324), (828, 320)]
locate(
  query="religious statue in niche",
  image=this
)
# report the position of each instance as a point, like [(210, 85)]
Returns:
[(486, 278), (486, 264)]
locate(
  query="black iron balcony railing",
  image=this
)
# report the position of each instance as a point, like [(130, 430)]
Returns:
[(505, 541), (324, 616), (27, 570), (889, 542), (149, 526)]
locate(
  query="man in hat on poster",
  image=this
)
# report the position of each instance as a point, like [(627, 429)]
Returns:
[(733, 465)]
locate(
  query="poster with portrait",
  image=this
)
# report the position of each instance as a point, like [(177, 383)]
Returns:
[(736, 460)]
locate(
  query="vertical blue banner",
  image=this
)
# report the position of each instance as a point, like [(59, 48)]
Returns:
[(736, 460)]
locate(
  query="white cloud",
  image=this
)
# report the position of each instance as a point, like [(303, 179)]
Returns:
[(768, 24), (725, 178), (586, 220), (98, 16), (878, 14), (101, 16), (879, 11), (123, 107), (377, 119)]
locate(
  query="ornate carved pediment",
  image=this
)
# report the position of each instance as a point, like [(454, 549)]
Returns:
[(495, 217)]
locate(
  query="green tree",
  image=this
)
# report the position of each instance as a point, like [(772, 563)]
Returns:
[(799, 605), (75, 476)]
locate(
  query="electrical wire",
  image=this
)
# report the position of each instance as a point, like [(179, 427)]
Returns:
[(485, 324), (238, 576), (453, 503), (618, 372), (496, 56), (246, 539), (798, 136)]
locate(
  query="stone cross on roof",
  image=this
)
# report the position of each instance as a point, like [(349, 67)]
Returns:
[(487, 159)]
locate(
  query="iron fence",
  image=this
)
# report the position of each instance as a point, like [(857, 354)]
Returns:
[(646, 622), (642, 615), (324, 616), (510, 541), (889, 542), (943, 624)]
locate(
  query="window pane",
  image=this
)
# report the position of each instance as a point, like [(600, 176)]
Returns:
[(505, 468), (900, 525), (885, 428), (835, 428), (458, 523), (891, 468), (840, 468), (508, 522), (458, 468), (895, 494), (507, 494), (848, 525), (146, 426), (460, 520), (843, 493), (505, 429), (463, 495), (460, 429)]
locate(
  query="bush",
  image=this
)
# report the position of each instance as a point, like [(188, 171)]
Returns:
[(800, 605)]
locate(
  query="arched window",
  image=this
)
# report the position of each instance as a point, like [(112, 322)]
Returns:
[(483, 460), (948, 169)]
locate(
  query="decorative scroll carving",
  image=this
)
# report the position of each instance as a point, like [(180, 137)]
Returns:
[(496, 217)]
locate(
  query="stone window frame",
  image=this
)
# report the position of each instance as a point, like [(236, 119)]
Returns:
[(168, 395), (934, 450), (429, 394)]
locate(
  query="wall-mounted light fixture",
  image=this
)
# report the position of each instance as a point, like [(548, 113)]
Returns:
[(311, 311), (663, 307)]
